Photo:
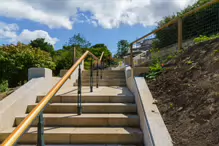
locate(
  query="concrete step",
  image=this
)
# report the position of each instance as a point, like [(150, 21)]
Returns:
[(105, 80), (121, 74), (90, 99), (105, 71), (101, 83), (88, 108), (104, 77), (73, 135), (87, 76), (86, 120), (108, 81), (83, 145)]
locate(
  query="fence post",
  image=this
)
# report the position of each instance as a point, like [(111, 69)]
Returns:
[(180, 33), (74, 55), (131, 56)]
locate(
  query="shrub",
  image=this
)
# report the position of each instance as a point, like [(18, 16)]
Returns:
[(202, 38), (3, 86), (155, 69), (15, 61)]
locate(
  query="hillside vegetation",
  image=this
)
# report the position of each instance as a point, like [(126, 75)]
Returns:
[(187, 94)]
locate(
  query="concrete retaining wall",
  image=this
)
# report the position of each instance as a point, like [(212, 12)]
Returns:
[(140, 70), (151, 122)]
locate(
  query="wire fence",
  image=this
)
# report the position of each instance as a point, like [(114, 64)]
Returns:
[(180, 33)]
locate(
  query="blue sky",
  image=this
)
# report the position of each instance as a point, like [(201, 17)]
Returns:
[(99, 21), (94, 34)]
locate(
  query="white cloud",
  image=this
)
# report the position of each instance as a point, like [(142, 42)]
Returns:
[(26, 36), (106, 13), (9, 33)]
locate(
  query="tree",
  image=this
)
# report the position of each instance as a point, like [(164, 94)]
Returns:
[(78, 41), (15, 61), (63, 59), (122, 48), (99, 46), (42, 44)]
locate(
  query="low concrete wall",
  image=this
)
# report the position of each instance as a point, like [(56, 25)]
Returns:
[(39, 72), (151, 122), (16, 103), (140, 70)]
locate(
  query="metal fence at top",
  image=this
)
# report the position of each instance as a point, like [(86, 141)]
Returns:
[(177, 34)]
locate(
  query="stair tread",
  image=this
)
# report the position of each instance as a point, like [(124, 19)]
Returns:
[(106, 80), (86, 116), (93, 104), (82, 145), (103, 96), (83, 130)]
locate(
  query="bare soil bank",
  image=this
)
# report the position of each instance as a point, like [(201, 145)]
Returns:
[(187, 95)]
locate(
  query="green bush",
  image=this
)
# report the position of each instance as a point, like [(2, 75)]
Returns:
[(155, 69), (15, 61), (3, 86), (202, 38)]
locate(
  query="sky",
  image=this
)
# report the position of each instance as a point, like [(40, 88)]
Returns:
[(99, 21)]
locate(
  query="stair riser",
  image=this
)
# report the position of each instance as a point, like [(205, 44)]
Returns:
[(87, 109), (105, 74), (103, 77), (86, 122), (68, 138), (111, 71), (102, 84), (83, 145), (104, 80), (90, 99)]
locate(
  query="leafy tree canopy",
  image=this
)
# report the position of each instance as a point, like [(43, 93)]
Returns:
[(42, 44), (78, 41), (15, 61), (99, 46), (122, 48)]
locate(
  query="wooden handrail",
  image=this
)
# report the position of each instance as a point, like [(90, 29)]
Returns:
[(176, 19), (25, 124), (101, 57), (93, 55)]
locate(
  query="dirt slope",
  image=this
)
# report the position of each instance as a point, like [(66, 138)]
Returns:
[(188, 96)]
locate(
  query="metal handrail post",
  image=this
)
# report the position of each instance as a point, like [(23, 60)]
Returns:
[(79, 91), (40, 131), (97, 80), (91, 75)]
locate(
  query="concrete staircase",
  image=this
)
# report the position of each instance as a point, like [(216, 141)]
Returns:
[(109, 115), (109, 78)]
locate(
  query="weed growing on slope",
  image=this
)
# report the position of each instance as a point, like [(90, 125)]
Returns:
[(202, 38)]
